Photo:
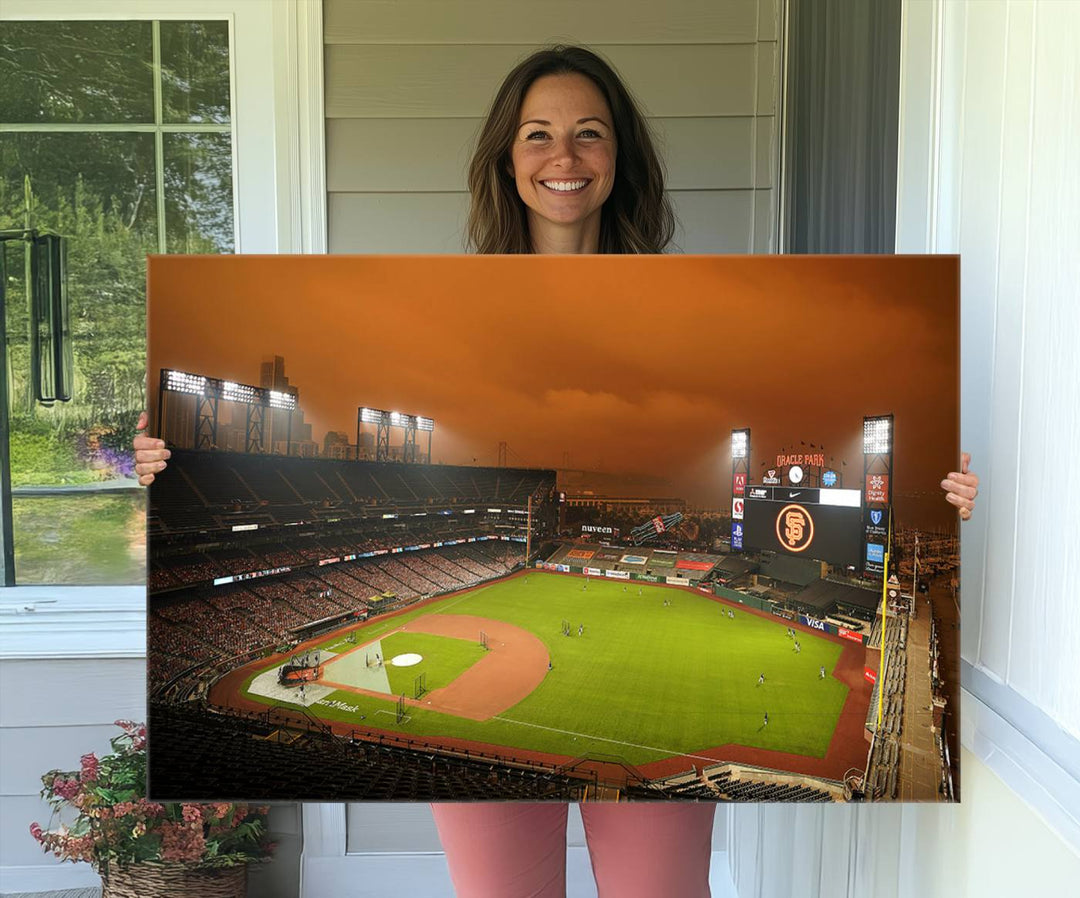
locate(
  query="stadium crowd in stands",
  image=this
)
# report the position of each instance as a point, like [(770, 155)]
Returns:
[(194, 627)]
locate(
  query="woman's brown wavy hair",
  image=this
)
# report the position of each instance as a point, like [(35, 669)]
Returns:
[(637, 216)]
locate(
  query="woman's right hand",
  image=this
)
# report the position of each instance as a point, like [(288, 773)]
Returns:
[(150, 453)]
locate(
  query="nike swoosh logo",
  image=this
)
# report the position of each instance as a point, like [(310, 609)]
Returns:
[(793, 495)]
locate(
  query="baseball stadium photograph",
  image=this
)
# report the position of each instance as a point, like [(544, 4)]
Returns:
[(526, 528)]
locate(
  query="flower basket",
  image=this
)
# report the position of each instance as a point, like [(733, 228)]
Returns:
[(174, 881), (144, 848)]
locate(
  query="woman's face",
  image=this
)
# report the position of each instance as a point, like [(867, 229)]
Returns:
[(563, 155)]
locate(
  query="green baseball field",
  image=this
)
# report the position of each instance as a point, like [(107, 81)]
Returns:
[(655, 673)]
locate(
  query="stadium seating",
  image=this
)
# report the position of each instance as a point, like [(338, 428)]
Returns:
[(200, 755), (728, 782), (889, 690), (198, 626), (202, 486)]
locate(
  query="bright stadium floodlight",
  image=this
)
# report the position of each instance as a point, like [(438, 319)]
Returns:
[(877, 435), (411, 424), (237, 392), (279, 399), (740, 443), (182, 382), (372, 416)]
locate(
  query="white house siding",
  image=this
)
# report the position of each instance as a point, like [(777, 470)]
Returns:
[(408, 83), (54, 711)]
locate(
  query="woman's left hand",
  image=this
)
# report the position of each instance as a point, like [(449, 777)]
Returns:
[(961, 487)]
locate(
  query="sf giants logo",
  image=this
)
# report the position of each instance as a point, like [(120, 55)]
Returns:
[(794, 528)]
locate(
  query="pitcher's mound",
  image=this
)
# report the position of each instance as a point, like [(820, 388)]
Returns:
[(406, 660)]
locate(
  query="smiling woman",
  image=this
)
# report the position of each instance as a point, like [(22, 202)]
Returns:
[(565, 164)]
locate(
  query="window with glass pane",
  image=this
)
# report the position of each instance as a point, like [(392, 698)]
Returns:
[(117, 136)]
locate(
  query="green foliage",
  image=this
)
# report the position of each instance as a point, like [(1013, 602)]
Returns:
[(76, 72), (41, 458), (99, 189), (81, 539), (106, 278)]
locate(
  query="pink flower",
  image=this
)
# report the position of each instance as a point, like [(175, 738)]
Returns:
[(65, 788), (138, 738), (36, 832), (78, 848), (192, 813), (181, 842), (89, 767)]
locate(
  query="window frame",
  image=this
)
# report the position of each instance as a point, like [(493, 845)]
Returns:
[(276, 93)]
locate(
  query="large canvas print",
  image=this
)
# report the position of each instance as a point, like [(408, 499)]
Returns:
[(455, 528)]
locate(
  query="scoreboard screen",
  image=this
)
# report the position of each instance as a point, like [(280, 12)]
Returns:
[(822, 524)]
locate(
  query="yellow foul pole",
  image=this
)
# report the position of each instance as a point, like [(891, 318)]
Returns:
[(884, 618), (528, 532)]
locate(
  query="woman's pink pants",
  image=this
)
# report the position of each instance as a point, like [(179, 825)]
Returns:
[(518, 850)]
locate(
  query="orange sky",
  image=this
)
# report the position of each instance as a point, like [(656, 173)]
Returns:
[(630, 364)]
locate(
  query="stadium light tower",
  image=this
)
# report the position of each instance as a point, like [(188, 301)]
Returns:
[(426, 425), (408, 424), (383, 421), (877, 491), (740, 475), (208, 391)]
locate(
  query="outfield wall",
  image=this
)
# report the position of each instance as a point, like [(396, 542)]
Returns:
[(612, 574), (732, 595)]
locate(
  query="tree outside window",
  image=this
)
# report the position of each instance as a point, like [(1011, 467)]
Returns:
[(118, 136)]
